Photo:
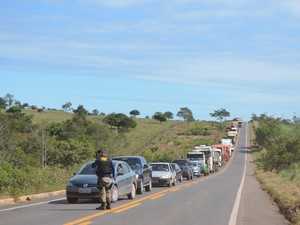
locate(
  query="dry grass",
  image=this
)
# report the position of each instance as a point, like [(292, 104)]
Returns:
[(145, 131), (48, 116), (286, 193)]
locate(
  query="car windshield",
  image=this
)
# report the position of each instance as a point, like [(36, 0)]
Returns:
[(181, 163), (87, 169), (160, 167), (195, 164), (195, 156)]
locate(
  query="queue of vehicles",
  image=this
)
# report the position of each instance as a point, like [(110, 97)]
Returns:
[(134, 174)]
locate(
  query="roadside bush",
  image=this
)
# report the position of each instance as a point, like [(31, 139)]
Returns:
[(197, 129), (279, 142), (156, 156)]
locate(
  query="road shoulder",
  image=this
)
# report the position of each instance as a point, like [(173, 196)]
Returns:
[(256, 206), (10, 201)]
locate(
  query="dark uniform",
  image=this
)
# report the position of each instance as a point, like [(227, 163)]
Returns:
[(105, 170)]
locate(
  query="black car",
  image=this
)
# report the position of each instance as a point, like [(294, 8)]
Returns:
[(178, 171), (142, 169), (187, 168)]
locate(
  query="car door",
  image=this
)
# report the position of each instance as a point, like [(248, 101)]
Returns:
[(127, 177), (146, 170), (173, 172), (121, 179)]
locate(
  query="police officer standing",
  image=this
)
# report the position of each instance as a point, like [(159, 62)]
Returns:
[(105, 170)]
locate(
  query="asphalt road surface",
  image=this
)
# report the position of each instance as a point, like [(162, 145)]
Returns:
[(230, 196)]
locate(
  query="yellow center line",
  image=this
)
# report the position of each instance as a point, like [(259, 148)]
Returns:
[(157, 196), (85, 223), (175, 189), (87, 217), (126, 208)]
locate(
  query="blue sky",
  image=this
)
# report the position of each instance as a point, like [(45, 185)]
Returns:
[(153, 56)]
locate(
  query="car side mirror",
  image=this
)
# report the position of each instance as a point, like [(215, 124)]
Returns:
[(146, 166)]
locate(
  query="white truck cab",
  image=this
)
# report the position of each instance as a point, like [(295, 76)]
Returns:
[(208, 155)]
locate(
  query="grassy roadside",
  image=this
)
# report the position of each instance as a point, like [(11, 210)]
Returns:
[(283, 186)]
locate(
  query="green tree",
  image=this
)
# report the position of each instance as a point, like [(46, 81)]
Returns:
[(9, 99), (75, 127), (112, 119), (120, 120), (81, 111), (220, 114), (2, 103), (67, 107), (159, 116), (95, 112), (169, 115), (186, 114), (134, 113), (18, 104), (25, 106)]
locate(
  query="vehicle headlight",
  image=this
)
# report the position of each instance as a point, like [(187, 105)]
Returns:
[(163, 177), (136, 176), (70, 184)]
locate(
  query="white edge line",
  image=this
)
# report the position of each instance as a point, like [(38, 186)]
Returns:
[(235, 209), (25, 206)]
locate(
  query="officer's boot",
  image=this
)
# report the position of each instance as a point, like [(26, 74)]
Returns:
[(102, 207)]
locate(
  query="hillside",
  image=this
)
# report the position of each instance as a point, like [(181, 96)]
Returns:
[(174, 136)]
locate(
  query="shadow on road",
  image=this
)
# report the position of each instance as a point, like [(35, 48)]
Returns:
[(248, 149)]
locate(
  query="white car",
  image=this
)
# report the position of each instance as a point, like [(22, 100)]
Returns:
[(163, 174)]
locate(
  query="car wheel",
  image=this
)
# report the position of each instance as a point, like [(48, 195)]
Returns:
[(72, 200), (149, 186), (115, 194), (131, 195), (181, 179), (140, 190), (170, 183)]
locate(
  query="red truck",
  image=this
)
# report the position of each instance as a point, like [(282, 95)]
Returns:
[(224, 150)]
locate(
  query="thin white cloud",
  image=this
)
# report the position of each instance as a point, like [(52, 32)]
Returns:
[(291, 6)]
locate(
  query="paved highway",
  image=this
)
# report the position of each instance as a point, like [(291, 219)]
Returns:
[(231, 196)]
